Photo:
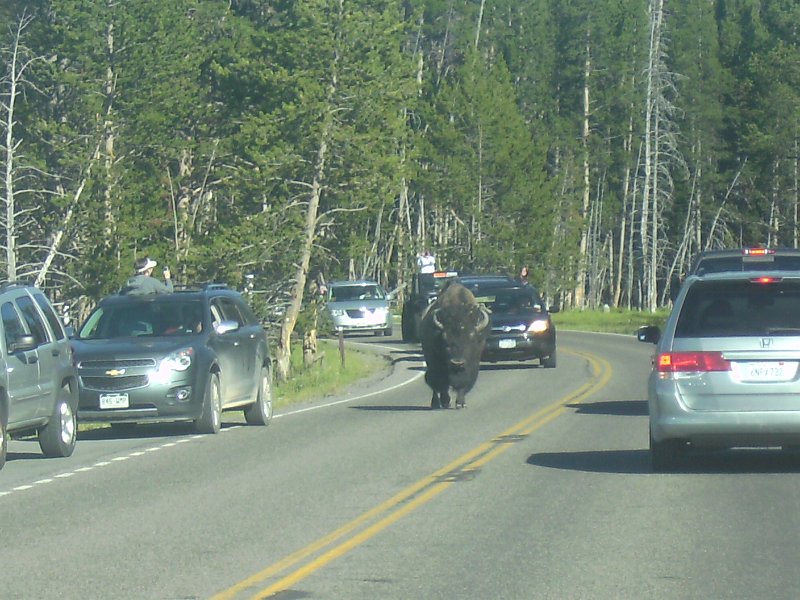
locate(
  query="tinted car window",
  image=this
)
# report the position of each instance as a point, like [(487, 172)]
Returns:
[(12, 324), (781, 260), (149, 319), (51, 316), (740, 308), (514, 299), (32, 318), (228, 310)]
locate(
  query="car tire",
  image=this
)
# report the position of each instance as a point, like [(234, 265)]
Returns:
[(3, 443), (211, 419), (260, 412), (549, 362), (57, 439), (665, 455), (388, 331)]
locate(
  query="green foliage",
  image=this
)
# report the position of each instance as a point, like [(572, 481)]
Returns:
[(196, 132), (614, 321)]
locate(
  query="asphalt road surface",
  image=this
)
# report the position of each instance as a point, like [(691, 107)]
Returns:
[(539, 488)]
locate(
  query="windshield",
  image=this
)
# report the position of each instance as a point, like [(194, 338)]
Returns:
[(144, 319), (511, 300), (345, 293)]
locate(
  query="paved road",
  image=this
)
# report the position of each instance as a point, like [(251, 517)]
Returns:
[(540, 488)]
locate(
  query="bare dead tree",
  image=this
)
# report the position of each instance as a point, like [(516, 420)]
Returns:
[(17, 61)]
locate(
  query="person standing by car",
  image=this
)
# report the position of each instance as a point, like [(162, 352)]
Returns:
[(426, 262), (523, 276), (143, 281)]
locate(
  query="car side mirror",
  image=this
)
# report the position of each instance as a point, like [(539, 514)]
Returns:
[(22, 343), (554, 309), (650, 334), (224, 327), (70, 331)]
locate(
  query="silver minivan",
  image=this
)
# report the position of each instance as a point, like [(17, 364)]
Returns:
[(359, 306), (725, 372)]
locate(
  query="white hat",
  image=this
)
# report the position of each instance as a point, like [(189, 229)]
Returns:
[(149, 264)]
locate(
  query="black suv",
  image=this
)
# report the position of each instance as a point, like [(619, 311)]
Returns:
[(38, 386), (746, 259), (184, 356), (424, 290), (520, 326)]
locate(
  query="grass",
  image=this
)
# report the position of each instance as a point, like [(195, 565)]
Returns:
[(613, 321), (328, 376)]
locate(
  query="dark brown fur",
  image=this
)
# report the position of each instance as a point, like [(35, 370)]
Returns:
[(453, 332)]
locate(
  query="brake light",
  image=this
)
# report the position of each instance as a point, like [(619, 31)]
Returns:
[(758, 251), (684, 362), (766, 280)]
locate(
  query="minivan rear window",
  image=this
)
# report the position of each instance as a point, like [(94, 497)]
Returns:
[(740, 307)]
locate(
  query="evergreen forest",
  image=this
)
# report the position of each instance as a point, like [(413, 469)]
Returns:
[(602, 143)]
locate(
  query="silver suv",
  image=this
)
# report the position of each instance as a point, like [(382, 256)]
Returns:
[(38, 386), (726, 373)]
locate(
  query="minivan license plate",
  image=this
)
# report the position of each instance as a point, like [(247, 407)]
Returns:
[(765, 370), (507, 343), (113, 401)]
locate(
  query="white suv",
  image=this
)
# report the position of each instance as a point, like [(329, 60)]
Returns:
[(38, 386)]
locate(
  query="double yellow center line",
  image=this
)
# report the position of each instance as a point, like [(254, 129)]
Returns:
[(372, 522)]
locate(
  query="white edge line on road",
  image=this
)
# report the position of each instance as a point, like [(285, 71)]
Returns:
[(354, 398)]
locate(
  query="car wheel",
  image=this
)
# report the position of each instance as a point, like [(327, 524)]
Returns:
[(3, 444), (260, 412), (58, 437), (211, 419), (665, 455), (388, 331), (549, 362)]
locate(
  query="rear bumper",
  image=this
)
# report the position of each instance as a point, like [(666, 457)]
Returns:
[(671, 420)]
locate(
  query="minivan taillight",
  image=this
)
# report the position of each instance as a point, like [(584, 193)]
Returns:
[(683, 362)]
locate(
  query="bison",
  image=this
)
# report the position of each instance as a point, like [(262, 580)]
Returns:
[(453, 332)]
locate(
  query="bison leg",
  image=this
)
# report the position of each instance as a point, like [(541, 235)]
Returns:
[(460, 402), (444, 399), (435, 400)]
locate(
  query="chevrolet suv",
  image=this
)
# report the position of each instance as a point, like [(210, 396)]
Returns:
[(38, 386), (182, 356)]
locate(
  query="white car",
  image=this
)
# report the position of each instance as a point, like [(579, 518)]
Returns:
[(359, 306)]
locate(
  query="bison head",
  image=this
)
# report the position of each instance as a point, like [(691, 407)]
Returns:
[(463, 333)]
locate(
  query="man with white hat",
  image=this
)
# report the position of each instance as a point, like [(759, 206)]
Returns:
[(144, 282)]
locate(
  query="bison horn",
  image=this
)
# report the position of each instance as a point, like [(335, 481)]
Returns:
[(484, 322), (436, 320)]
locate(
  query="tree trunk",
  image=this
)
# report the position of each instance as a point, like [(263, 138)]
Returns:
[(284, 346), (580, 283), (16, 70)]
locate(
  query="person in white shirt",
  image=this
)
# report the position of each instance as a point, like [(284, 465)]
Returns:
[(426, 262)]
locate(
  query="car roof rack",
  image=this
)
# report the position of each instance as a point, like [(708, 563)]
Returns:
[(8, 285)]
